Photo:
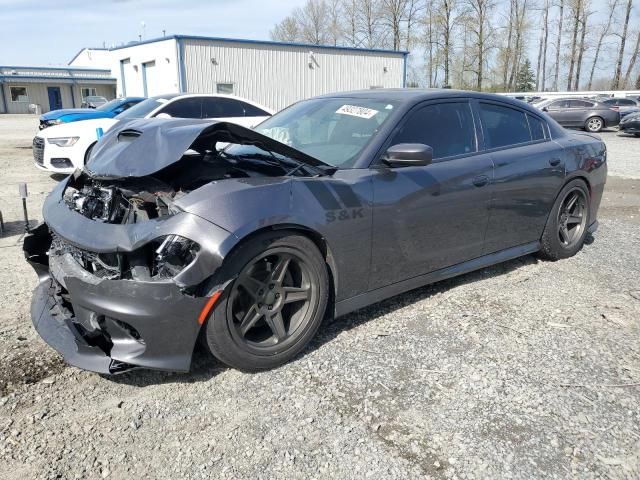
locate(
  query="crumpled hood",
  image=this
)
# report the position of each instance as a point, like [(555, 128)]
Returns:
[(145, 146)]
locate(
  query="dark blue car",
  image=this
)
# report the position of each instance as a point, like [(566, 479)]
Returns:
[(108, 110)]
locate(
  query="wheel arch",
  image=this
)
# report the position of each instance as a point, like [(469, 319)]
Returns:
[(567, 180), (318, 239)]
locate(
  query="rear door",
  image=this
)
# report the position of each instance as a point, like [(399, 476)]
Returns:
[(429, 217), (529, 170), (578, 112)]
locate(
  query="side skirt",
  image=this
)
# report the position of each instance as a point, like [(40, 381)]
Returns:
[(354, 303)]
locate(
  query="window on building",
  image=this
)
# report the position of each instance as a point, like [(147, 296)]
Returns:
[(89, 92), (225, 88), (447, 128), (503, 126), (19, 94)]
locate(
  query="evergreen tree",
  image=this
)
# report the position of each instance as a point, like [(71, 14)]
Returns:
[(526, 79)]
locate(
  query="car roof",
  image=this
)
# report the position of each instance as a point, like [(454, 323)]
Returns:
[(411, 96)]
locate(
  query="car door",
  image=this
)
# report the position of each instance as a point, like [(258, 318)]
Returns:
[(578, 112), (232, 110), (429, 217), (559, 111), (528, 173)]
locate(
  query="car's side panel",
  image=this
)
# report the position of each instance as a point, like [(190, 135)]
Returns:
[(426, 218), (527, 180)]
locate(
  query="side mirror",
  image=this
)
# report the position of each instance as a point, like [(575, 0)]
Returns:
[(408, 154), (163, 115), (545, 109)]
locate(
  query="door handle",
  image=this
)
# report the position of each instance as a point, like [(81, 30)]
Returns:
[(480, 180), (554, 162)]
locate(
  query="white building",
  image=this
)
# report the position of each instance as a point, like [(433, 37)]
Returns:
[(274, 74), (51, 88)]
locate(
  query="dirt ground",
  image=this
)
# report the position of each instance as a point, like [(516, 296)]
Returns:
[(524, 370)]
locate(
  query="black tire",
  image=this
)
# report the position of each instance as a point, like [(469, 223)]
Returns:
[(558, 242), (637, 134), (87, 154), (268, 343), (594, 124)]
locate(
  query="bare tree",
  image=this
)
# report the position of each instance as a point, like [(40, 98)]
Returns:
[(369, 23), (541, 70), (576, 11), (518, 46), (481, 29), (307, 23), (446, 18), (582, 46), (286, 31), (604, 33), (615, 84), (413, 12), (335, 27), (393, 13), (350, 22), (558, 45), (632, 62)]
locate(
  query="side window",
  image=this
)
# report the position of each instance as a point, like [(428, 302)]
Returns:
[(219, 107), (184, 108), (537, 128), (580, 104), (445, 127), (503, 126), (253, 111), (626, 102)]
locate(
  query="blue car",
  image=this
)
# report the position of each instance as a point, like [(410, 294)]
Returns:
[(108, 110)]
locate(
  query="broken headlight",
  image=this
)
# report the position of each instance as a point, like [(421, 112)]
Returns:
[(172, 255)]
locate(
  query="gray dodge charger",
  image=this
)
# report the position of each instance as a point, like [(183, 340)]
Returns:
[(177, 230)]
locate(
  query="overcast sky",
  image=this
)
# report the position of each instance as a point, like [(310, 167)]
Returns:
[(36, 32)]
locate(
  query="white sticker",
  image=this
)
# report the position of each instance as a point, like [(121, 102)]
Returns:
[(354, 111)]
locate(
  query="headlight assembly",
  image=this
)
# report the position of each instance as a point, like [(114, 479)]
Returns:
[(172, 255), (63, 141)]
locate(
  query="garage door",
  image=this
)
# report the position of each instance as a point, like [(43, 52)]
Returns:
[(150, 79)]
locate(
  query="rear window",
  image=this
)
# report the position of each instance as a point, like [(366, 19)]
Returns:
[(537, 128), (503, 126)]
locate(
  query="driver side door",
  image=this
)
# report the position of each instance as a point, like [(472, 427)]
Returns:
[(429, 217)]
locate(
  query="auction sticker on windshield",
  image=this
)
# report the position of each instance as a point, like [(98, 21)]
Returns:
[(354, 111)]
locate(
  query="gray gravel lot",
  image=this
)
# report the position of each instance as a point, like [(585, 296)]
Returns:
[(528, 369)]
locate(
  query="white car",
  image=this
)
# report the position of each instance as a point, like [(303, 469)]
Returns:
[(66, 147)]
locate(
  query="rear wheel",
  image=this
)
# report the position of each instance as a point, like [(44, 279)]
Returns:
[(566, 226), (274, 305), (594, 124)]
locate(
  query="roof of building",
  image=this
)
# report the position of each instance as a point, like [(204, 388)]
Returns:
[(29, 74), (264, 42), (83, 49)]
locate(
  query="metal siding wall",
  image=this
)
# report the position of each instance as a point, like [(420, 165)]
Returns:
[(277, 76), (165, 79)]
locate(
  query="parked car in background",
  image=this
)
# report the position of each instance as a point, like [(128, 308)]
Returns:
[(332, 204), (108, 110), (624, 106), (63, 148), (589, 115), (93, 102), (631, 124)]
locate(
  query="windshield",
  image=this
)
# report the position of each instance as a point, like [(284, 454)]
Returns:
[(109, 105), (144, 108), (332, 130)]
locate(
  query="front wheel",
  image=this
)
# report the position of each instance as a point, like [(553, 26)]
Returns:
[(594, 124), (567, 224), (275, 304)]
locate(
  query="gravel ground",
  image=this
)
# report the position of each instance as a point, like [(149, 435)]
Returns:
[(524, 370)]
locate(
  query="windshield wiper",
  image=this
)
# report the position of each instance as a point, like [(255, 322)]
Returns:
[(272, 159)]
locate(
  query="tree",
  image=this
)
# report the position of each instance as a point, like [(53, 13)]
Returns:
[(558, 46), (632, 62), (615, 84), (604, 32), (481, 29), (542, 51), (526, 80), (576, 11)]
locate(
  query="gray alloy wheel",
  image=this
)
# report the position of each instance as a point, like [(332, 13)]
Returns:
[(594, 124), (567, 223), (274, 304), (271, 300), (572, 219)]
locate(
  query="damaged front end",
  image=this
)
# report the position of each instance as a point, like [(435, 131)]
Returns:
[(125, 274)]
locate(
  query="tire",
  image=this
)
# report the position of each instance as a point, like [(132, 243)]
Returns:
[(257, 324), (87, 154), (563, 234), (594, 124), (637, 134)]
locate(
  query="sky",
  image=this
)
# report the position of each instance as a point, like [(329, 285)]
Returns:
[(41, 33)]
